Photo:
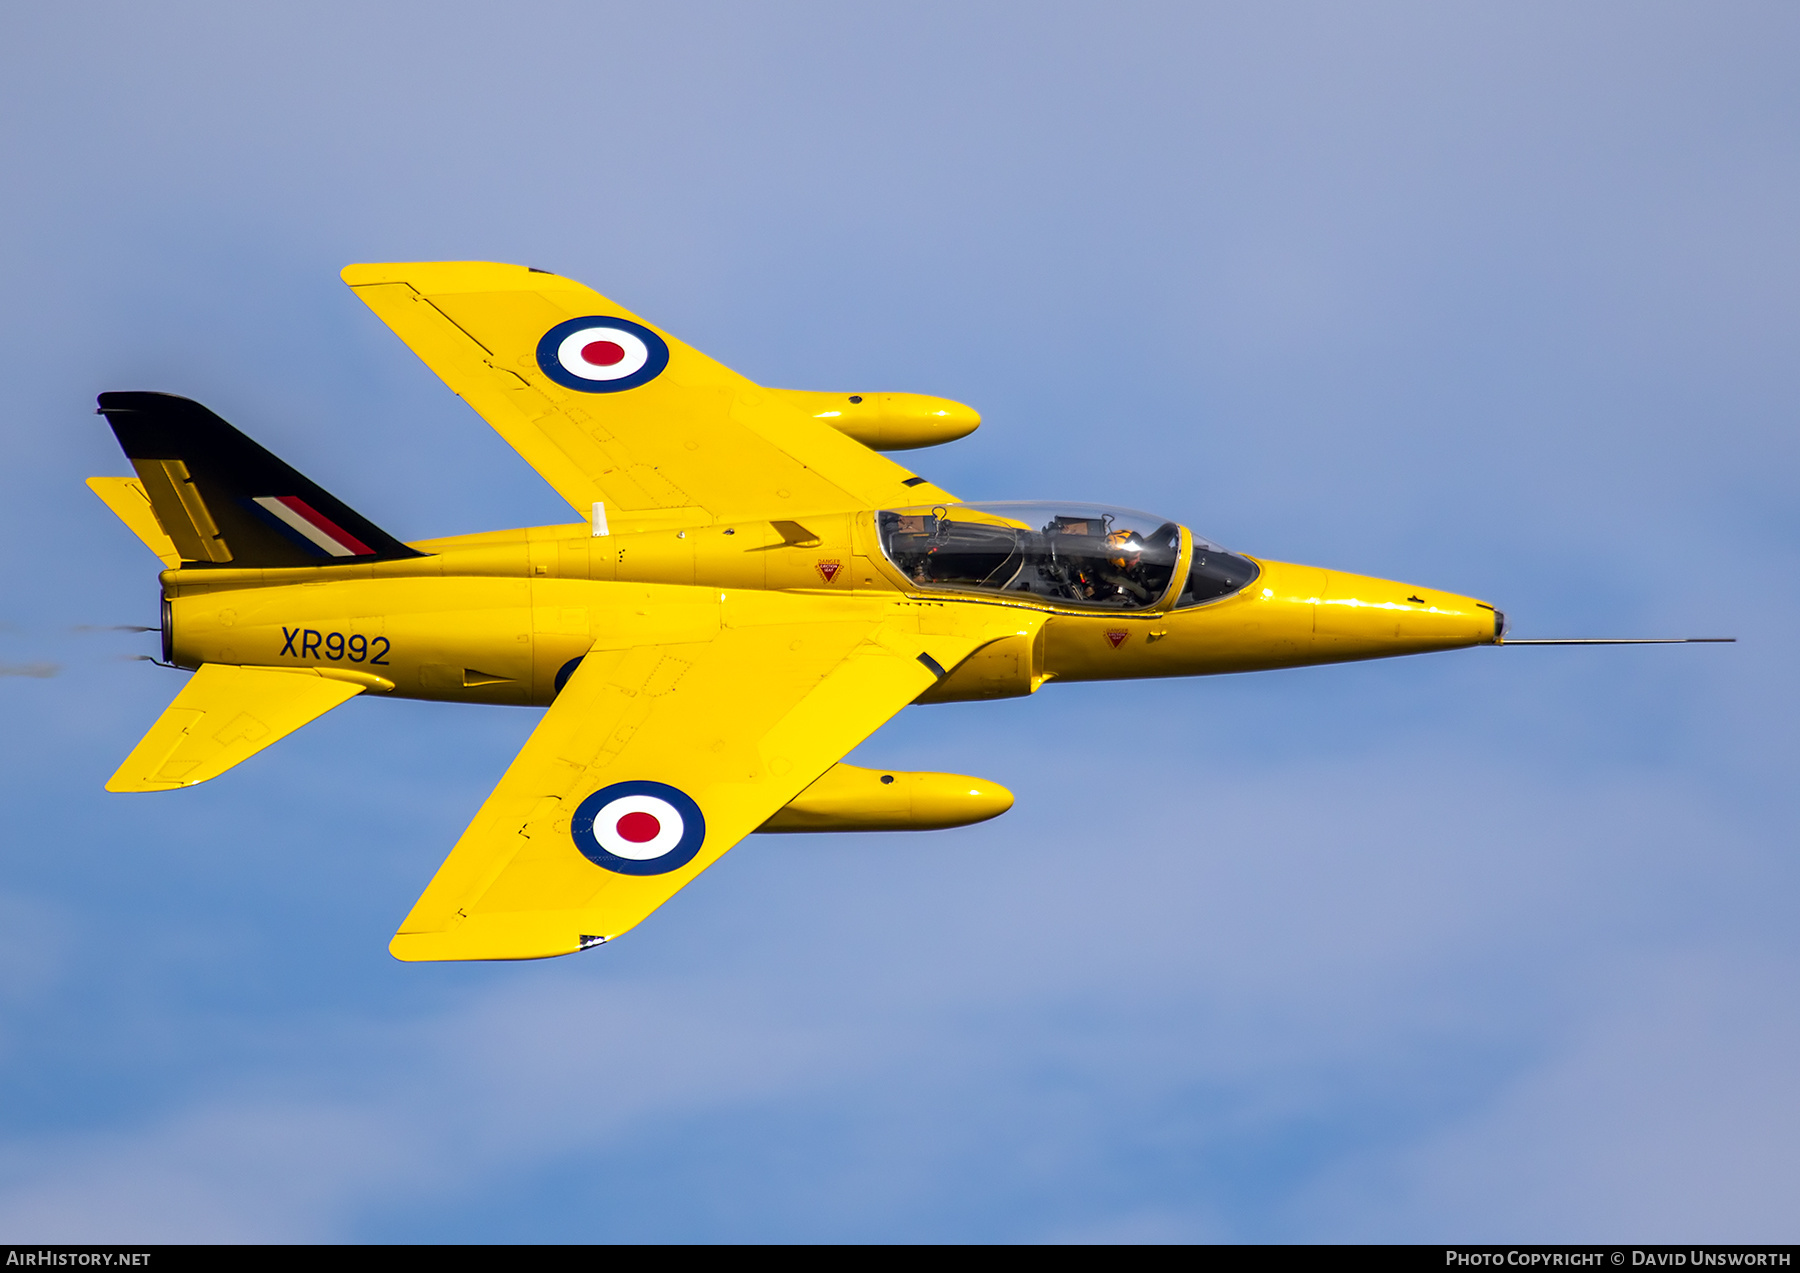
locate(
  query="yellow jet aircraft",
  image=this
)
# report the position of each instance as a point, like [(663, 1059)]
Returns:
[(753, 590)]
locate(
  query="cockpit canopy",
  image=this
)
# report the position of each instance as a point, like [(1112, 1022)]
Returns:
[(1073, 554)]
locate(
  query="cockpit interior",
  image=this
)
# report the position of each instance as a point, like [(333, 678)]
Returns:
[(1073, 554)]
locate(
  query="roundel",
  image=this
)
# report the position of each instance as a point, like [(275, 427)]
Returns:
[(601, 355), (638, 828)]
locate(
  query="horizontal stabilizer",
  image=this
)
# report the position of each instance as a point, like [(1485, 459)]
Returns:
[(227, 714), (126, 497)]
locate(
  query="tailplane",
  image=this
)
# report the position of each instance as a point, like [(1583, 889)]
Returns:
[(225, 715), (126, 497), (223, 500)]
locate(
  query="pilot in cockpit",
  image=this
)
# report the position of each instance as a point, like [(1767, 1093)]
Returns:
[(1127, 567)]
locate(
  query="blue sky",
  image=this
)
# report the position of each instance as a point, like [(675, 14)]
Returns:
[(1496, 945)]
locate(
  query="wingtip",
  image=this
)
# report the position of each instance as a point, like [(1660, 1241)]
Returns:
[(479, 940), (137, 786), (453, 275)]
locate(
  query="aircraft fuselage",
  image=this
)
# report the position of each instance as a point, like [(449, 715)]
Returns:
[(501, 617)]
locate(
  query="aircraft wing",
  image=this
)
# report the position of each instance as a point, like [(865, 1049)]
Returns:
[(611, 409), (658, 757)]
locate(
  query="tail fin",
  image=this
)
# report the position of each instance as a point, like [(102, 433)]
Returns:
[(222, 499)]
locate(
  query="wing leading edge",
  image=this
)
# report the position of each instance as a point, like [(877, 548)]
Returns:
[(700, 741)]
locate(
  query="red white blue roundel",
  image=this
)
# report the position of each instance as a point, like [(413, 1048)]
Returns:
[(601, 355), (638, 828)]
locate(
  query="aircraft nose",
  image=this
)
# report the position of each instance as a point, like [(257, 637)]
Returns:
[(1361, 616)]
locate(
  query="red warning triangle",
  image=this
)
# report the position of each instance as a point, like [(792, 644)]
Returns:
[(1117, 636), (828, 569)]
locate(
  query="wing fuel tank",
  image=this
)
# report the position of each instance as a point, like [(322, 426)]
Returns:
[(887, 421), (850, 798)]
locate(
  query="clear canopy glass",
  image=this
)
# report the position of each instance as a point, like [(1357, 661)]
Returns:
[(1075, 554), (1214, 573)]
